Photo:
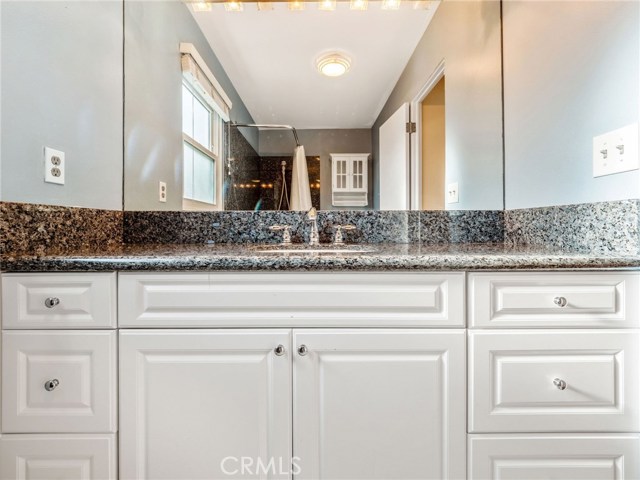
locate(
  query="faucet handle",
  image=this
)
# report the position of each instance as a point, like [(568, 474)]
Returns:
[(338, 239), (286, 235)]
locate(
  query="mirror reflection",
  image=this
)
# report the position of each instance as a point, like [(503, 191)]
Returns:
[(337, 105)]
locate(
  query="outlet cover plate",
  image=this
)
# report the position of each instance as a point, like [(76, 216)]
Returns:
[(162, 192), (54, 166)]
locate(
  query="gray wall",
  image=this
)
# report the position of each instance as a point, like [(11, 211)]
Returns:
[(466, 34), (153, 114), (321, 143), (61, 87), (571, 73)]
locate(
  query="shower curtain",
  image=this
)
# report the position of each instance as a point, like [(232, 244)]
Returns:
[(300, 188)]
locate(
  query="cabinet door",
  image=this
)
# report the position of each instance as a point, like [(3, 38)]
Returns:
[(379, 404), (554, 457), (358, 173), (68, 457), (205, 404), (341, 174)]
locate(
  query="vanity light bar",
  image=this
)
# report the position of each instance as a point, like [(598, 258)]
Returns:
[(298, 5)]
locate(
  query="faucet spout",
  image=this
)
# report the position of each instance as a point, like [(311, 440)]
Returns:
[(312, 217)]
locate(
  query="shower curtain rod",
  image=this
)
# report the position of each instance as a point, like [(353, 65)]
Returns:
[(280, 127)]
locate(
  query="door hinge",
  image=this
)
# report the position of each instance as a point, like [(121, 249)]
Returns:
[(411, 127)]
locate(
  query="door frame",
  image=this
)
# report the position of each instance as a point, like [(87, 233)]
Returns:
[(415, 150)]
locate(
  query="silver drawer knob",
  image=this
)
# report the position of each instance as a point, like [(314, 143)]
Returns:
[(51, 385), (51, 302), (303, 350), (560, 301), (560, 384), (279, 350)]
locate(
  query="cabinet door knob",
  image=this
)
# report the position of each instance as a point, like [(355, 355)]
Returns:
[(51, 385), (303, 350), (560, 301), (560, 384), (51, 302), (279, 350)]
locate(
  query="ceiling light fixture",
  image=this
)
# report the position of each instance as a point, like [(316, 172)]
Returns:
[(333, 64), (327, 5), (390, 4), (296, 5), (233, 6), (422, 5), (201, 6), (263, 6), (359, 5)]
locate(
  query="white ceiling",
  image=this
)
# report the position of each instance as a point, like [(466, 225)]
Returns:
[(270, 57)]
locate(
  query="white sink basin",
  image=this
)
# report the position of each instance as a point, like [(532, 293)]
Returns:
[(315, 250)]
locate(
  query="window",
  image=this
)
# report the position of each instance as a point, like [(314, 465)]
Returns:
[(205, 108), (202, 133)]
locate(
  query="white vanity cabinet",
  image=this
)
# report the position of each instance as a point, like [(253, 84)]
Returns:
[(319, 376), (366, 403), (59, 377), (554, 374)]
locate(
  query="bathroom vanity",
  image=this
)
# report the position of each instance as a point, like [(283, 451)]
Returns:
[(321, 374)]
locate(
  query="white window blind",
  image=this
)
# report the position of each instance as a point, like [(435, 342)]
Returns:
[(201, 79)]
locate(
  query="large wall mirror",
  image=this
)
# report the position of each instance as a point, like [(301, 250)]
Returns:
[(190, 70), (348, 77)]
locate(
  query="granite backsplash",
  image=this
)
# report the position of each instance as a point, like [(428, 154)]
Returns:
[(371, 226), (35, 229), (608, 227), (604, 227)]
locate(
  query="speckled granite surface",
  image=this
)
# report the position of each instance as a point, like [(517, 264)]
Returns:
[(42, 238), (385, 257), (371, 226), (38, 228), (587, 228), (472, 226)]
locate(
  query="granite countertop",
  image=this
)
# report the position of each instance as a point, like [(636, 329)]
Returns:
[(230, 257)]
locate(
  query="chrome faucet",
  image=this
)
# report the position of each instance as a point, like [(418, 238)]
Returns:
[(312, 217)]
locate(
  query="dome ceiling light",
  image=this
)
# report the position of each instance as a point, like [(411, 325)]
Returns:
[(333, 64)]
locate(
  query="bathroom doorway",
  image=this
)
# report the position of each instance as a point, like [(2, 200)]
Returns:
[(433, 148)]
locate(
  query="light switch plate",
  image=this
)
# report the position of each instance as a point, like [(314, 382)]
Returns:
[(453, 194), (54, 166), (616, 151)]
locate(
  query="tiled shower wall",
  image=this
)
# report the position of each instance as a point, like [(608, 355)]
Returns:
[(253, 183)]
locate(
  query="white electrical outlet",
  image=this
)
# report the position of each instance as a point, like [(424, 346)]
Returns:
[(616, 151), (453, 195), (162, 192), (54, 166)]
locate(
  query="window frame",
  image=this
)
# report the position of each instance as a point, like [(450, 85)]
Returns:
[(202, 84), (213, 152)]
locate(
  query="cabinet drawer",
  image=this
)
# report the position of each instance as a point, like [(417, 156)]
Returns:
[(566, 457), (59, 382), (291, 299), (69, 457), (68, 300), (610, 300), (554, 381)]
